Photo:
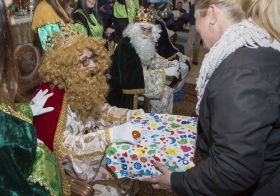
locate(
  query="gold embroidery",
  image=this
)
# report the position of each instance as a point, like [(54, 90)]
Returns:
[(135, 93), (112, 119), (47, 187), (107, 136), (168, 80), (162, 88), (123, 117), (41, 169), (172, 57), (61, 125), (9, 110), (77, 156)]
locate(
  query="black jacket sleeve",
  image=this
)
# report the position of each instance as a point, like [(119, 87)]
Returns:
[(239, 115)]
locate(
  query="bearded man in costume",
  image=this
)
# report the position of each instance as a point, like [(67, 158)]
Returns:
[(82, 125), (169, 49), (138, 69)]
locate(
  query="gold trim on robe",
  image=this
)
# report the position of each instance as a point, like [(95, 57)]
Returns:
[(58, 145), (135, 93)]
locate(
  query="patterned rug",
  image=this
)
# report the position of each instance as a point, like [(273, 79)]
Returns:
[(185, 107)]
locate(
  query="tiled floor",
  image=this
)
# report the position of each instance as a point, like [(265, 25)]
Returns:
[(191, 78)]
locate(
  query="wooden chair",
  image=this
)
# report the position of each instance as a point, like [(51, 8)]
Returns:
[(145, 104), (79, 188)]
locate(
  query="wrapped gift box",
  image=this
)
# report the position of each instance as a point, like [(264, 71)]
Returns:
[(172, 143)]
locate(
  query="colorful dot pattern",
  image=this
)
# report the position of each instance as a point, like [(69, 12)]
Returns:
[(172, 143)]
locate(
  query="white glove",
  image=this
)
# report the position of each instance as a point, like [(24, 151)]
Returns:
[(39, 141), (172, 71), (38, 102), (123, 133), (133, 113), (175, 63)]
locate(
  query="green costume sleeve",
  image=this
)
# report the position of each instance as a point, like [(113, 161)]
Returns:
[(17, 154), (26, 109), (97, 30), (26, 168), (46, 170), (46, 31), (131, 11), (119, 10), (81, 28)]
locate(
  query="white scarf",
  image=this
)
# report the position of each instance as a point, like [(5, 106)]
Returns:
[(245, 33)]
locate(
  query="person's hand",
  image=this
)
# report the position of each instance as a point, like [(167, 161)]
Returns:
[(40, 141), (134, 112), (163, 181), (109, 31), (128, 133), (175, 63), (102, 9), (172, 71), (38, 102)]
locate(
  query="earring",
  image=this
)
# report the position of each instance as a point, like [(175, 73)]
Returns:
[(212, 22)]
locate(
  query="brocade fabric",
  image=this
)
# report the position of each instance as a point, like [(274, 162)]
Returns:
[(45, 31), (18, 155), (45, 21), (81, 146)]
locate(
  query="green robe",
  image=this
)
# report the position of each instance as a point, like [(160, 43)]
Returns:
[(26, 168)]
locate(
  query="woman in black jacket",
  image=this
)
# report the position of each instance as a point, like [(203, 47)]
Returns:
[(238, 102)]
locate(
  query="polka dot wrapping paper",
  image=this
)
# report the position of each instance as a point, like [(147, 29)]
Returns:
[(172, 142)]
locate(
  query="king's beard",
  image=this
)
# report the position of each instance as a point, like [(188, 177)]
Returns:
[(86, 90), (145, 48)]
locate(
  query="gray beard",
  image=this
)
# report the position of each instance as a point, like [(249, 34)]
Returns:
[(145, 48)]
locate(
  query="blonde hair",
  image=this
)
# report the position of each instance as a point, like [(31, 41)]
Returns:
[(85, 89), (233, 8), (265, 13), (58, 63)]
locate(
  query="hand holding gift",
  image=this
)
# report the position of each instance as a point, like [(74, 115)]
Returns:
[(163, 181), (127, 133), (171, 142)]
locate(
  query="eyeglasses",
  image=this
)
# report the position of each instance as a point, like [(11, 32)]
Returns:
[(86, 60)]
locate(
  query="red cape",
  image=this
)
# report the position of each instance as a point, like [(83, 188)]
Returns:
[(46, 124)]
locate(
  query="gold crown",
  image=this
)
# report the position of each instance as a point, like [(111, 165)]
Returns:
[(67, 35), (145, 15)]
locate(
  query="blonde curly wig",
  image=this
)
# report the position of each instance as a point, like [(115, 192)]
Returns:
[(85, 89)]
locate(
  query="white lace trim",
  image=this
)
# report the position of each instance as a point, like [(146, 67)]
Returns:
[(245, 33)]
